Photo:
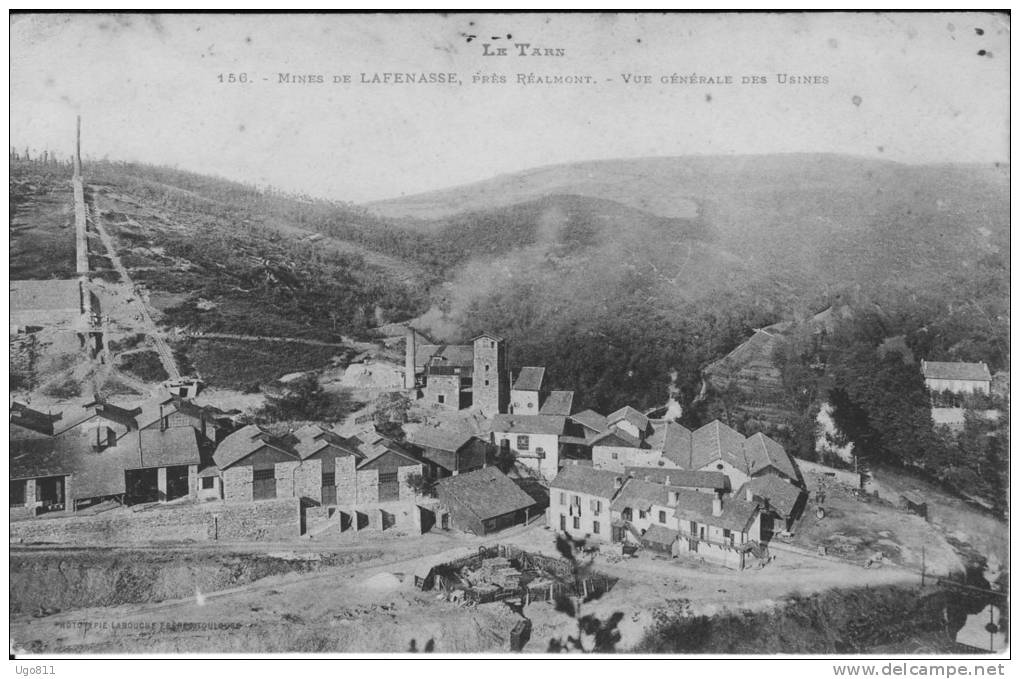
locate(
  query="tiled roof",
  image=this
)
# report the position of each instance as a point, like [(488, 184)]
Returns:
[(761, 452), (243, 443), (487, 492), (631, 415), (438, 438), (528, 424), (456, 355), (936, 370), (640, 495), (676, 444), (168, 448), (591, 420), (779, 494), (617, 437), (557, 403), (529, 379), (659, 534), (695, 506), (585, 479), (715, 441), (681, 477)]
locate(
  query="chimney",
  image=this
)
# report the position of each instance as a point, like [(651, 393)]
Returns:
[(667, 479), (619, 483), (716, 506), (750, 495), (410, 358)]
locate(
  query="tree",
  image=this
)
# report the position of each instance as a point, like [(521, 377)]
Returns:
[(305, 399)]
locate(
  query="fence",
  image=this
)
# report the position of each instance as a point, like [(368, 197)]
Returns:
[(560, 579)]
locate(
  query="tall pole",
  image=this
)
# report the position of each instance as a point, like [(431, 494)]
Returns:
[(77, 149)]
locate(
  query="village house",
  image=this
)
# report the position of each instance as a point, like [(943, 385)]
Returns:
[(482, 501), (717, 530), (533, 440), (640, 505), (580, 500), (781, 501), (458, 376), (956, 377), (336, 458), (528, 396), (445, 452), (713, 447)]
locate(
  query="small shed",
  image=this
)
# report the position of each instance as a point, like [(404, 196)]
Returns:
[(915, 503), (659, 539)]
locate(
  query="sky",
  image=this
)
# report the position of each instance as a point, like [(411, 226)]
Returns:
[(914, 88)]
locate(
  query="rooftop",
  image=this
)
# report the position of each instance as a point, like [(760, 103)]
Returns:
[(589, 419), (243, 443), (587, 480), (486, 493), (779, 494), (681, 477), (557, 403), (528, 424), (630, 415), (936, 370), (529, 379)]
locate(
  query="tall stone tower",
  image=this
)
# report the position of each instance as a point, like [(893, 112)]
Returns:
[(490, 381)]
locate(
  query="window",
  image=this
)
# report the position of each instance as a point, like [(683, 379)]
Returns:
[(263, 475), (616, 456), (563, 522), (441, 398), (725, 532), (531, 405), (486, 369), (18, 493), (596, 507), (563, 498), (577, 523), (540, 453), (387, 477), (719, 467), (576, 500), (595, 527), (662, 516), (486, 382), (208, 482), (329, 479), (522, 442), (642, 514)]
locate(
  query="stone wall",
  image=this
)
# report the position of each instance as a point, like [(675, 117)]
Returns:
[(308, 480), (237, 484), (346, 481), (367, 487), (447, 386), (285, 478), (267, 520)]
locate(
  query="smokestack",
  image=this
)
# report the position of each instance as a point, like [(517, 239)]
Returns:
[(750, 495), (410, 355), (716, 506)]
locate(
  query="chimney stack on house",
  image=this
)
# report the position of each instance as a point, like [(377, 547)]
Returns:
[(749, 494), (716, 506), (667, 479)]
